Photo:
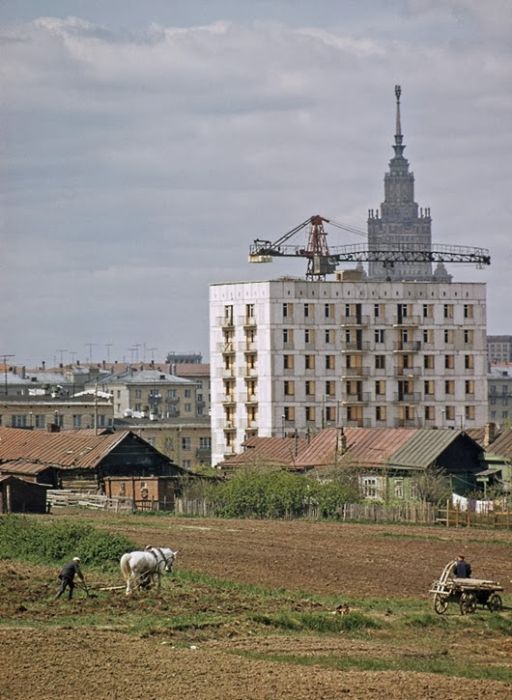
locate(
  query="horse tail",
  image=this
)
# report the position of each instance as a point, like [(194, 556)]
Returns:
[(125, 566)]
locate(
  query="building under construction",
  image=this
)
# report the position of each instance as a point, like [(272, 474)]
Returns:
[(397, 345)]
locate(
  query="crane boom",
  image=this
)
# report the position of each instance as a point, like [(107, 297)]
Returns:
[(322, 260)]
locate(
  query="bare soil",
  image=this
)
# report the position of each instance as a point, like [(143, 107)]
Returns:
[(45, 654)]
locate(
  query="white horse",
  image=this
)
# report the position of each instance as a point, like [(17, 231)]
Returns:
[(140, 569)]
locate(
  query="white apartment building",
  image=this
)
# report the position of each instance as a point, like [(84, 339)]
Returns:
[(292, 355)]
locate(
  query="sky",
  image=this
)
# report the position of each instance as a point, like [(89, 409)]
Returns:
[(145, 145)]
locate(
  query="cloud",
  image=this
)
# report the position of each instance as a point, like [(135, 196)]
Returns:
[(139, 166)]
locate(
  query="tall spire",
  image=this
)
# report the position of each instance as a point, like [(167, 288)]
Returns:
[(398, 147)]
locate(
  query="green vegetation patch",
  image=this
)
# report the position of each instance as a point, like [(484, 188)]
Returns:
[(323, 623), (26, 539)]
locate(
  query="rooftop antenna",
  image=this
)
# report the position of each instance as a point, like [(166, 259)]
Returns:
[(90, 346), (61, 352), (5, 357), (108, 346)]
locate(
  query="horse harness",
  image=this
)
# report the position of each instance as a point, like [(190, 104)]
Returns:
[(157, 560)]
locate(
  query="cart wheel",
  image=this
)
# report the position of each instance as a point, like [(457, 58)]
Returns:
[(467, 603), (494, 603), (440, 603)]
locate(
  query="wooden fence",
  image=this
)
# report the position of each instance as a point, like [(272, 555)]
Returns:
[(408, 512)]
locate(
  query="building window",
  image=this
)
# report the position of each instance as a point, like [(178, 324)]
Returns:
[(77, 420), (448, 336), (188, 393), (449, 387), (309, 361), (310, 414), (289, 413), (469, 386), (289, 388), (428, 336), (469, 413), (369, 485), (205, 443), (449, 412), (469, 362), (287, 310), (379, 335), (380, 362), (188, 408), (429, 388), (329, 310), (287, 335), (468, 310), (428, 310), (376, 311), (330, 414), (329, 336), (449, 361), (448, 310), (249, 310), (19, 421), (288, 361), (330, 388), (307, 310), (398, 488), (330, 362), (138, 393), (380, 413), (430, 413), (40, 420), (169, 443), (428, 361), (468, 337), (186, 443), (380, 387), (309, 336), (310, 388)]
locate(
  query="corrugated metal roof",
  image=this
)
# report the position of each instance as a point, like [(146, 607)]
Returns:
[(277, 450), (503, 444), (368, 447), (22, 466), (423, 448), (65, 449)]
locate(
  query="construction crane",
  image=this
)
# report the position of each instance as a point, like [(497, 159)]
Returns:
[(322, 260)]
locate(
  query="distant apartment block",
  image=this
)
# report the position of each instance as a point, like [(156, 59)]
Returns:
[(499, 348), (292, 355), (500, 396)]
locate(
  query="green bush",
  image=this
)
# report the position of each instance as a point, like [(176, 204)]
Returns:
[(271, 493), (47, 543)]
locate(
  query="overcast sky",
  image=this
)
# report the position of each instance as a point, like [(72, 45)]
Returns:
[(145, 145)]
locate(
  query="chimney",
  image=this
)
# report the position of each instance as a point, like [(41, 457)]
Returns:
[(489, 433)]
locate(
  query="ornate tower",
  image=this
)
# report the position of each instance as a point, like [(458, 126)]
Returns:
[(399, 222)]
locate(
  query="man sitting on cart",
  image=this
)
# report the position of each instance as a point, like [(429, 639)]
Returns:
[(462, 568)]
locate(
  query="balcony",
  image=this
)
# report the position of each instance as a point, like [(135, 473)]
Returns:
[(227, 348), (354, 321), (246, 321), (249, 398), (407, 321), (228, 372), (352, 399), (356, 372), (407, 371), (228, 399), (407, 346), (249, 372), (248, 346), (225, 322), (413, 397), (363, 346)]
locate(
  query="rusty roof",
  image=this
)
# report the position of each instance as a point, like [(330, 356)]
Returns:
[(192, 369), (280, 451), (364, 447), (67, 449), (22, 466)]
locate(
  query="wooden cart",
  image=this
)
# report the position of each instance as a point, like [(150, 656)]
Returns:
[(468, 593)]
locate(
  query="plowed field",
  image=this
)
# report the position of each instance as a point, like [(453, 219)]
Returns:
[(212, 633)]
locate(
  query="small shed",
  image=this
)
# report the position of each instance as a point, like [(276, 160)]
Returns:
[(20, 496)]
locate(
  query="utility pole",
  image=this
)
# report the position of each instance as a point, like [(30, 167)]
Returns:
[(108, 346), (5, 357), (90, 346)]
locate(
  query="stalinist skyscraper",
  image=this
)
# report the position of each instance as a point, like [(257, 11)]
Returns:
[(400, 223)]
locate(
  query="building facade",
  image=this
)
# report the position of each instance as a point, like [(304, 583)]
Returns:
[(499, 348), (294, 355), (500, 396)]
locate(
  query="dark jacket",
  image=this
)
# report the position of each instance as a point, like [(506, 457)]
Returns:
[(70, 570), (462, 569)]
